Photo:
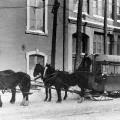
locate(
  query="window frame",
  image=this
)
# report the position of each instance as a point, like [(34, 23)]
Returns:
[(98, 43), (97, 6), (85, 6), (37, 53), (45, 25), (97, 11), (110, 9), (118, 6)]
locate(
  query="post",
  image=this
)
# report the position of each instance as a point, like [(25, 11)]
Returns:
[(53, 50), (105, 26), (64, 32), (79, 34)]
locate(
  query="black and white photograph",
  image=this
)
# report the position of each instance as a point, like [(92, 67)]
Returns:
[(59, 59)]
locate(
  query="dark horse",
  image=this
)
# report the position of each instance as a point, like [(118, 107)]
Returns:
[(61, 79), (44, 73), (83, 79), (10, 79), (51, 78)]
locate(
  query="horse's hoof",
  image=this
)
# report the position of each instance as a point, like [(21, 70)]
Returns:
[(58, 101), (49, 100), (45, 100), (81, 100), (25, 103), (1, 104), (21, 104), (12, 102), (64, 98)]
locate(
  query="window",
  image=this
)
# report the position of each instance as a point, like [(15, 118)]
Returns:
[(110, 44), (110, 8), (37, 16), (84, 46), (85, 6), (98, 44), (95, 7), (118, 46), (118, 7), (98, 7), (118, 10)]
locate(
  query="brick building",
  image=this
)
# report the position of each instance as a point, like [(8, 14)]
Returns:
[(93, 23)]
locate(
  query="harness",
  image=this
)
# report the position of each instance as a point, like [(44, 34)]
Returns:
[(39, 76)]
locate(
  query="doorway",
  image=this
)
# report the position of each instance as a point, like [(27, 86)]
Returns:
[(34, 57)]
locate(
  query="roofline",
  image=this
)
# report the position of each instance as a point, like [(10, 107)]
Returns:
[(94, 23)]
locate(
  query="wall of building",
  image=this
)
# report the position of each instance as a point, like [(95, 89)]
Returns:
[(14, 42), (92, 23)]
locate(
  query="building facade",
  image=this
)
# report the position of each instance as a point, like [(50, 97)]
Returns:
[(93, 28), (27, 25), (26, 34)]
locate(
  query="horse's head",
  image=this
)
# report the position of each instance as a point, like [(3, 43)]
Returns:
[(49, 70), (39, 69)]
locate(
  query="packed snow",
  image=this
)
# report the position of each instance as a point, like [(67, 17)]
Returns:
[(69, 109)]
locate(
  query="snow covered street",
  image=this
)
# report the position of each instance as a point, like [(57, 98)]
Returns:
[(69, 109)]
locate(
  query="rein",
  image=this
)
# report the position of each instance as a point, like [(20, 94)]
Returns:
[(50, 75), (37, 77)]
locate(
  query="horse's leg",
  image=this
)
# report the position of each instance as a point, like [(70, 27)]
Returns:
[(82, 95), (13, 90), (46, 93), (59, 95), (25, 101), (0, 101), (50, 96), (65, 96)]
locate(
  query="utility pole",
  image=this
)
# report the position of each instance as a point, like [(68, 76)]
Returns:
[(79, 34), (105, 26), (64, 32), (53, 50)]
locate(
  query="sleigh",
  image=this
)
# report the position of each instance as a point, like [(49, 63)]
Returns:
[(108, 65)]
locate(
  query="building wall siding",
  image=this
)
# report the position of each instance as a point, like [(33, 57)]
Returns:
[(14, 42)]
